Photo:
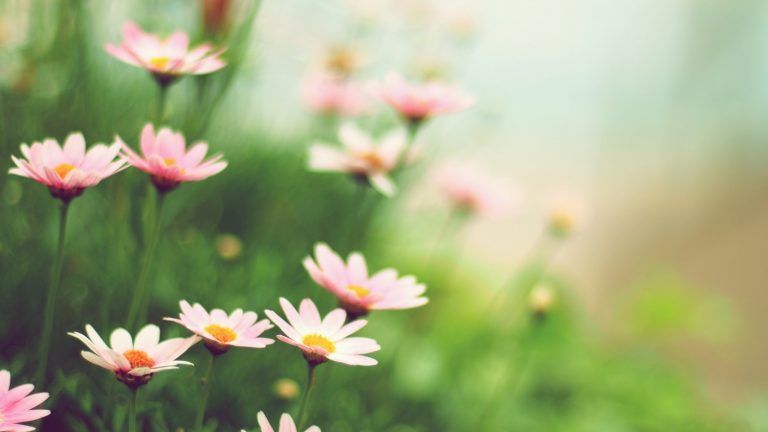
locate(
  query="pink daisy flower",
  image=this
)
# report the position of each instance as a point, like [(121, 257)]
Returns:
[(68, 170), (359, 293), (286, 424), (134, 361), (332, 95), (361, 157), (324, 339), (420, 101), (168, 162), (470, 191), (16, 405), (166, 59), (221, 331)]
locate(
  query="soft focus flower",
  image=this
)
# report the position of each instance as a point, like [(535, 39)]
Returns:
[(134, 361), (361, 156), (216, 15), (68, 170), (343, 61), (359, 293), (416, 102), (166, 159), (324, 339), (221, 331), (469, 190), (166, 59), (16, 405), (286, 424), (332, 95)]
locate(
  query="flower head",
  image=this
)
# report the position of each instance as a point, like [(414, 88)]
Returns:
[(417, 102), (358, 292), (166, 59), (221, 331), (361, 156), (567, 213), (166, 159), (324, 339), (68, 170), (16, 405), (134, 361), (286, 424), (474, 193), (328, 94)]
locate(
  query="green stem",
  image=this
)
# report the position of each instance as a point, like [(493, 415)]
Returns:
[(302, 416), (161, 103), (206, 382), (132, 410), (50, 303), (140, 301)]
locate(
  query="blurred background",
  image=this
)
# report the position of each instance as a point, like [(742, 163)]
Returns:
[(642, 121)]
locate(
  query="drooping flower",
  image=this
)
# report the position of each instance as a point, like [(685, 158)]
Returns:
[(361, 157), (417, 102), (328, 94), (358, 292), (324, 339), (17, 405), (134, 361), (470, 191), (221, 331), (68, 170), (286, 424), (166, 59), (168, 162)]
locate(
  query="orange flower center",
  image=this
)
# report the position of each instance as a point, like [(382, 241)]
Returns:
[(169, 161), (320, 341), (63, 169), (138, 359), (159, 62), (221, 333), (373, 159), (360, 291)]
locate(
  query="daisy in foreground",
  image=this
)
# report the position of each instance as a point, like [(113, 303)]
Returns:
[(134, 361), (417, 102), (324, 339), (68, 170), (357, 291), (361, 157), (168, 162), (221, 331), (286, 424), (16, 405), (166, 59)]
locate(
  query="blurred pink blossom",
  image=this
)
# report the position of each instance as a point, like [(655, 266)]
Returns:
[(329, 94), (165, 158), (469, 190), (357, 291), (166, 59), (420, 101)]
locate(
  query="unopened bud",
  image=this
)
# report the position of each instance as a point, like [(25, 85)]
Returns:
[(541, 299), (286, 388)]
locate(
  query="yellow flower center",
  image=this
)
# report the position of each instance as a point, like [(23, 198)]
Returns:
[(138, 359), (159, 62), (221, 333), (320, 341), (63, 169), (373, 159), (360, 291), (169, 161)]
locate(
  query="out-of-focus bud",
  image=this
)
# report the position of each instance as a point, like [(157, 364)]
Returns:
[(286, 388), (229, 246), (540, 300), (216, 15), (343, 61), (567, 213)]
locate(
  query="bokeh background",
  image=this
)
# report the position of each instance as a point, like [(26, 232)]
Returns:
[(648, 114)]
